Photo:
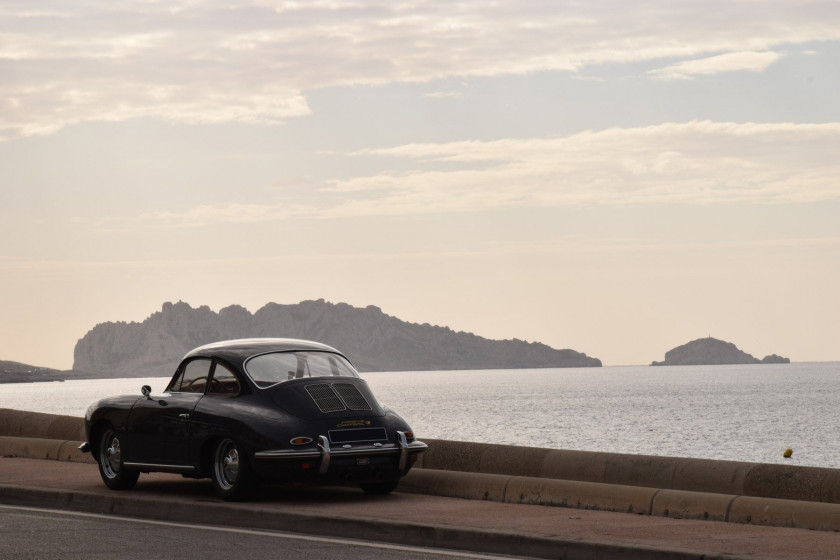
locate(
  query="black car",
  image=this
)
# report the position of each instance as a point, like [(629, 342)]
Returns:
[(246, 411)]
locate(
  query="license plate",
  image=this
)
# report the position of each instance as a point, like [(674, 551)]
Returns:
[(363, 461)]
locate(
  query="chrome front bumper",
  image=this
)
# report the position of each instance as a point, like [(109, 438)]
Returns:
[(324, 453)]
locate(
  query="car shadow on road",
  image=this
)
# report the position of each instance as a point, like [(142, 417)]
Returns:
[(280, 494)]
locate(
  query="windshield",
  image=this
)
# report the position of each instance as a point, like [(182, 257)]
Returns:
[(270, 369)]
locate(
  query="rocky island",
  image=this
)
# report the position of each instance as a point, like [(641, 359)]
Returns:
[(371, 339), (711, 351), (16, 372)]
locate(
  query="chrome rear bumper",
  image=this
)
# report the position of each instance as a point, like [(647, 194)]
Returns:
[(324, 452)]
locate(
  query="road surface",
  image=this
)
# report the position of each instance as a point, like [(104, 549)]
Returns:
[(51, 534)]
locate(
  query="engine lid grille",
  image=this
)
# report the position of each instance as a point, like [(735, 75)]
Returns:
[(335, 397), (325, 397), (352, 397)]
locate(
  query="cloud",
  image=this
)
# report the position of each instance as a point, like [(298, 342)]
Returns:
[(729, 62), (444, 95), (490, 249), (577, 244), (698, 162), (687, 163), (252, 61), (212, 214)]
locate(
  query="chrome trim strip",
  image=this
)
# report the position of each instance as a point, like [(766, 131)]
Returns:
[(324, 446), (402, 442), (412, 448), (85, 447), (159, 466), (287, 454)]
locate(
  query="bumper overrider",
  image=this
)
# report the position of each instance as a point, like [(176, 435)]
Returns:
[(324, 453)]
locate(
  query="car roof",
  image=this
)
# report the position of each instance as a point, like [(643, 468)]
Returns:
[(241, 349)]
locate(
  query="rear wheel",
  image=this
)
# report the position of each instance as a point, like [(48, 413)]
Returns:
[(232, 477), (379, 488), (111, 463)]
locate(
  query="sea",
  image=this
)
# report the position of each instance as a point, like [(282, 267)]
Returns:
[(732, 412)]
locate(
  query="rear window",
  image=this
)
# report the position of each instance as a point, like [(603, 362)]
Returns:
[(270, 369)]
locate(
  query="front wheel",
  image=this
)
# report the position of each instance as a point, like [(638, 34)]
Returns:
[(232, 477), (111, 463), (379, 488)]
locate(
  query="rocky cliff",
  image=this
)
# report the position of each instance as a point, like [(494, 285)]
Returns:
[(711, 351), (371, 339)]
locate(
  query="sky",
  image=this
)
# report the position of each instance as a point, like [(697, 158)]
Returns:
[(614, 177)]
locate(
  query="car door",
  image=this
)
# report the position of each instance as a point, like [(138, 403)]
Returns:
[(160, 426), (215, 416)]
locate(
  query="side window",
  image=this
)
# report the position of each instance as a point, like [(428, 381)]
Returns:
[(176, 382), (195, 377), (223, 382)]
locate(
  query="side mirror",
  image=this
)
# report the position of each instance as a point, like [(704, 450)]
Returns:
[(147, 391)]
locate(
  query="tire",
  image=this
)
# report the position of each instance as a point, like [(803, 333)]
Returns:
[(232, 477), (111, 464), (379, 488)]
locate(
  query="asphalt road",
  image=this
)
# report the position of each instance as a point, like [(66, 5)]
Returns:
[(31, 533)]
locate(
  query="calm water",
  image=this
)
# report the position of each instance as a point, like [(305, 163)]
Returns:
[(741, 413)]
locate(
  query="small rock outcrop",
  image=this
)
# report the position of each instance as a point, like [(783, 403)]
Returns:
[(371, 339), (711, 351), (774, 359)]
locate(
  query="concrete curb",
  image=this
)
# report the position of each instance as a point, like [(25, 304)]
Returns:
[(378, 530)]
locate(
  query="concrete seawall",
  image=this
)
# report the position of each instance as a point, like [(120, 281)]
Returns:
[(754, 493), (19, 423), (814, 484)]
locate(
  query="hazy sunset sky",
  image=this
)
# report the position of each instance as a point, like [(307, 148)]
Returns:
[(609, 176)]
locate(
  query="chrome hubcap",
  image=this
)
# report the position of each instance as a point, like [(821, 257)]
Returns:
[(227, 465), (231, 467), (111, 457)]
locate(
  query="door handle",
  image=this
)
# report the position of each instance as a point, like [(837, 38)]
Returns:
[(184, 416)]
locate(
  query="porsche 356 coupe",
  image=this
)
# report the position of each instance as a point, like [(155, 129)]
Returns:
[(252, 410)]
